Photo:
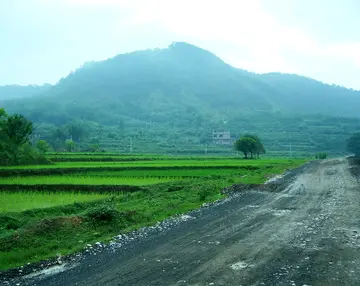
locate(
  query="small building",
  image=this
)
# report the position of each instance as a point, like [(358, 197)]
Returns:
[(222, 138)]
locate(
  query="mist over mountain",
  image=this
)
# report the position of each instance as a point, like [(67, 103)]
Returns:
[(19, 91), (187, 90)]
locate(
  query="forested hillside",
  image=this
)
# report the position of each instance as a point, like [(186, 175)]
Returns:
[(170, 100)]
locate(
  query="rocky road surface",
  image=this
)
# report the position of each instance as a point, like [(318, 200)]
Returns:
[(306, 233)]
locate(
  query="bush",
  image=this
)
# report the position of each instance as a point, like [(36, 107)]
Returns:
[(204, 192), (103, 213), (321, 156)]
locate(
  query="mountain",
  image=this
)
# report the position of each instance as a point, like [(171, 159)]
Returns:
[(184, 89), (18, 91)]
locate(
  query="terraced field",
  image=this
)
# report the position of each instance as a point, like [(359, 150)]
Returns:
[(58, 208)]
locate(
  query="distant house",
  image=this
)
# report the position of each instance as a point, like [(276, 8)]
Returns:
[(222, 138)]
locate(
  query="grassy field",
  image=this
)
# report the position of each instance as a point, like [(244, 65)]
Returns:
[(87, 180), (47, 220), (163, 163), (22, 201)]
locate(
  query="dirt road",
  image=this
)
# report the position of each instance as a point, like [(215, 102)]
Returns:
[(306, 234)]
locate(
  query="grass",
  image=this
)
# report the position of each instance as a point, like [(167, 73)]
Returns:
[(22, 201), (86, 180), (42, 233), (180, 173), (163, 163), (36, 225)]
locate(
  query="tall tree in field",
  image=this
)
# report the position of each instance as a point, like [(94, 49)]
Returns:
[(250, 144), (259, 147), (353, 144), (245, 145)]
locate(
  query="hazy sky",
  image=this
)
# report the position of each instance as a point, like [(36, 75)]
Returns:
[(43, 40)]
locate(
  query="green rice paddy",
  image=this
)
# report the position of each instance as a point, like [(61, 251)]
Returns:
[(42, 222)]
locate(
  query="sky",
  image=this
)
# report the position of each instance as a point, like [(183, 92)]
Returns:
[(42, 41)]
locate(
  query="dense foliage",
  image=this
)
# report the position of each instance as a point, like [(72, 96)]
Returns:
[(15, 148), (250, 144), (170, 100)]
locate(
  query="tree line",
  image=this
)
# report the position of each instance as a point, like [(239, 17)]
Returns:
[(16, 148)]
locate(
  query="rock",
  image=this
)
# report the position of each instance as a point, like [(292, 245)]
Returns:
[(88, 245)]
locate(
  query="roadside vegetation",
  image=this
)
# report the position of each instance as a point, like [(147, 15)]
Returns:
[(58, 208)]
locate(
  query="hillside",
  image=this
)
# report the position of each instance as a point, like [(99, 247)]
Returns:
[(185, 91)]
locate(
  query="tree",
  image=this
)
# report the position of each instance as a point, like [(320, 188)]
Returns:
[(245, 145), (15, 131), (77, 131), (250, 144), (353, 144), (42, 146), (259, 147), (15, 146), (70, 145)]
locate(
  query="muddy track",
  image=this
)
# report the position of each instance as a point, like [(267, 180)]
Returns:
[(307, 233)]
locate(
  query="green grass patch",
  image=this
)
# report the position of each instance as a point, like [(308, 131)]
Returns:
[(37, 225), (187, 173), (85, 180), (162, 163), (22, 201), (55, 231)]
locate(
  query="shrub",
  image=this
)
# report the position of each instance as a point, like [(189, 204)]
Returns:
[(204, 192), (321, 156), (103, 213)]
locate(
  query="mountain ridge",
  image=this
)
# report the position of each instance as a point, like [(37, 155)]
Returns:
[(166, 98), (188, 76)]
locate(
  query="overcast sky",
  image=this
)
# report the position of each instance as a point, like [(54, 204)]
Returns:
[(43, 40)]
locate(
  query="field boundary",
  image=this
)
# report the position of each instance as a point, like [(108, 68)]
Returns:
[(69, 187), (67, 170)]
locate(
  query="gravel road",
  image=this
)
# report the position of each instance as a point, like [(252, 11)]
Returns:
[(306, 233)]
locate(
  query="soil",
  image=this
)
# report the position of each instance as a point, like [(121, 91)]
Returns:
[(301, 230)]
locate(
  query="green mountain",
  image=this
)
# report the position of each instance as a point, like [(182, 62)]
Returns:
[(186, 92)]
